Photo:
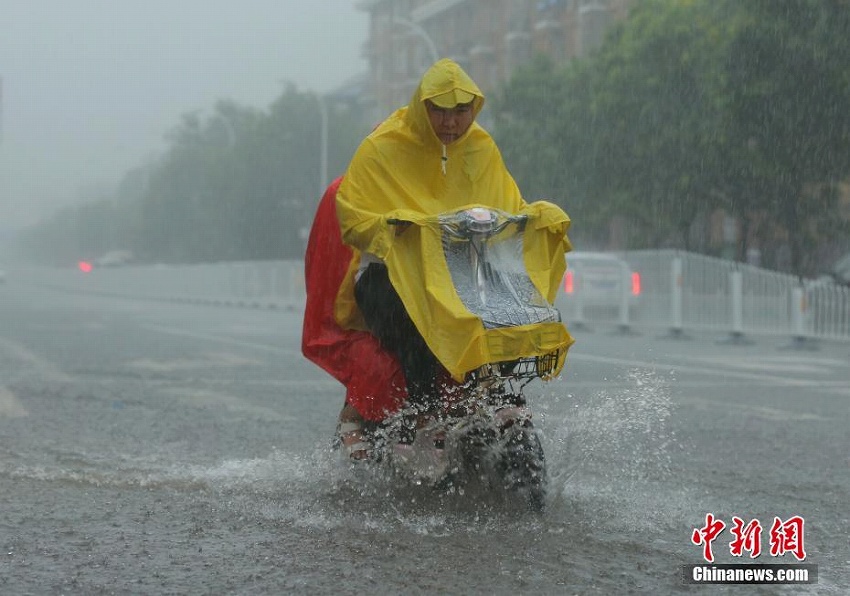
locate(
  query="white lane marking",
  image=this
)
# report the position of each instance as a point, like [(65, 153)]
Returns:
[(202, 398), (767, 379), (764, 412), (782, 364), (725, 376), (210, 359), (45, 368), (224, 340), (11, 406)]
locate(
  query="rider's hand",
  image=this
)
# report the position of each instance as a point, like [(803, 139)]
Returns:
[(401, 227)]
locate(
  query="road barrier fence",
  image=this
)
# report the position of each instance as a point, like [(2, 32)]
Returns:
[(679, 291)]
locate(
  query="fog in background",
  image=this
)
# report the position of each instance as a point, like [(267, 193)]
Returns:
[(91, 87)]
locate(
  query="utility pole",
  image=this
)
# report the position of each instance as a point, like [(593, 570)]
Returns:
[(423, 35), (323, 142)]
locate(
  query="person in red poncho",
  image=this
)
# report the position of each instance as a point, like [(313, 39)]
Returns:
[(375, 384)]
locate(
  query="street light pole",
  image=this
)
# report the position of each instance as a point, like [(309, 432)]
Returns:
[(418, 30), (323, 144), (323, 108)]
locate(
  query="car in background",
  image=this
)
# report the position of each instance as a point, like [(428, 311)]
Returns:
[(827, 301), (837, 275), (115, 258), (841, 270), (597, 284)]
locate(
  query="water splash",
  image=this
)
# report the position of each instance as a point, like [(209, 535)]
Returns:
[(612, 450), (603, 448)]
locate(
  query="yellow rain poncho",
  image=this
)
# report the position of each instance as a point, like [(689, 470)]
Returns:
[(402, 170)]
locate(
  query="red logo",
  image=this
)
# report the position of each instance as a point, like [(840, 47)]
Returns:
[(707, 534), (746, 538), (785, 537)]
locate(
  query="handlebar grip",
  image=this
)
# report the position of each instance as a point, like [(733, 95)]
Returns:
[(393, 221)]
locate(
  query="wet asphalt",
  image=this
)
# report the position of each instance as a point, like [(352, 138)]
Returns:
[(165, 448)]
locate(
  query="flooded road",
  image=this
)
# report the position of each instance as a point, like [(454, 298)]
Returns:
[(163, 448)]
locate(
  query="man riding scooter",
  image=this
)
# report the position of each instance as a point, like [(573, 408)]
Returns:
[(426, 158)]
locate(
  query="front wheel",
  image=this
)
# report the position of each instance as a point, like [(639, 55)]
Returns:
[(523, 466)]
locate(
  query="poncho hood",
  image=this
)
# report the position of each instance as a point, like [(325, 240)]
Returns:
[(447, 84)]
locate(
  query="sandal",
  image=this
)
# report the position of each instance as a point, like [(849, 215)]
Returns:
[(353, 440)]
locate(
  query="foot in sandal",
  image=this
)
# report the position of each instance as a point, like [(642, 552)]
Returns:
[(352, 436)]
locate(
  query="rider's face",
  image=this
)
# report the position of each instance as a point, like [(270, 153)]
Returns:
[(450, 124)]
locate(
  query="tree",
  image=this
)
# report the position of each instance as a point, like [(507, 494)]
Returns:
[(627, 131), (787, 86), (691, 106)]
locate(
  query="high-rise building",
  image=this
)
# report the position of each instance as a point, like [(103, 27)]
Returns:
[(489, 38)]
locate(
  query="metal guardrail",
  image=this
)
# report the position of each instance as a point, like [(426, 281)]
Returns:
[(827, 307), (682, 290), (258, 284), (679, 291)]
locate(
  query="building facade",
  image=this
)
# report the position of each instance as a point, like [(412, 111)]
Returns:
[(489, 38)]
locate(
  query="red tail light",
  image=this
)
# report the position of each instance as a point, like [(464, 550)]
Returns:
[(568, 282), (84, 266), (635, 284)]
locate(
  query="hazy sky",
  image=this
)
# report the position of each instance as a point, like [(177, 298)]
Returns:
[(90, 87)]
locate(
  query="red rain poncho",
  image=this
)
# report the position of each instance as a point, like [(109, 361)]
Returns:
[(373, 378)]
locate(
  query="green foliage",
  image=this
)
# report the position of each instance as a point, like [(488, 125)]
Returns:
[(787, 88), (691, 106), (238, 184)]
